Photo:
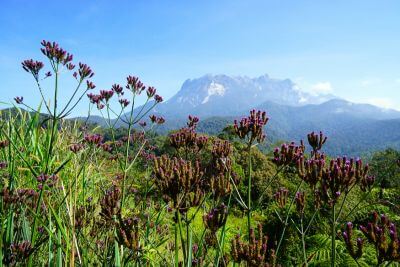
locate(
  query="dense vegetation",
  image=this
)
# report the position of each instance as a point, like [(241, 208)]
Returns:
[(77, 194)]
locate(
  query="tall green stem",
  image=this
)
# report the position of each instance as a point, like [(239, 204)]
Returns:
[(176, 246), (303, 242), (333, 238), (249, 193)]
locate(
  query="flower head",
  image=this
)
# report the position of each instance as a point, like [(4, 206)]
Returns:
[(55, 53), (33, 67), (252, 126)]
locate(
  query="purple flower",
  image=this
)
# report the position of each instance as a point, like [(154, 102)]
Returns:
[(19, 99)]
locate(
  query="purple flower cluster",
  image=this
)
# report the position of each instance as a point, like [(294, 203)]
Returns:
[(252, 126), (55, 53), (288, 154)]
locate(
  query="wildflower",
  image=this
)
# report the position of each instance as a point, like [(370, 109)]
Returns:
[(193, 121), (157, 120), (143, 124), (254, 253), (185, 137), (382, 234), (19, 99), (44, 179), (151, 91), (107, 147), (348, 240), (20, 252), (128, 233), (135, 85), (316, 141), (75, 148), (216, 218), (4, 144), (90, 85), (70, 66), (300, 199), (106, 94), (3, 165), (281, 197), (158, 98), (94, 99), (118, 89), (93, 139), (288, 154), (55, 53), (252, 126), (311, 170), (48, 74), (124, 102), (179, 181), (33, 67), (85, 71), (110, 203)]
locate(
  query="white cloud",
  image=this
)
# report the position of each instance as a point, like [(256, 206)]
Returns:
[(322, 88), (382, 102)]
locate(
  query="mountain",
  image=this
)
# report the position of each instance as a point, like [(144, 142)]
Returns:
[(219, 99), (222, 95)]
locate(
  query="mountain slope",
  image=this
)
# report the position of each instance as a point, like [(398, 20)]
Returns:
[(222, 95), (219, 99)]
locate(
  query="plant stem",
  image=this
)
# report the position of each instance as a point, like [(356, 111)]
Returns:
[(303, 241), (287, 218), (249, 193), (333, 238)]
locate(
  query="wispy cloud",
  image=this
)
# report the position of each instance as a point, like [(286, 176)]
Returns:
[(322, 88), (383, 102)]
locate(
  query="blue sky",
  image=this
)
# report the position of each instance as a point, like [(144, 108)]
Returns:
[(348, 48)]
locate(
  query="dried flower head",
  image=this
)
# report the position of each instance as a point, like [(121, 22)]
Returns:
[(281, 197), (4, 144), (216, 218), (111, 203), (382, 234), (93, 139), (347, 235), (288, 154), (316, 141), (75, 148), (252, 126), (48, 180), (300, 199), (20, 252), (157, 120), (179, 181), (128, 233), (254, 253)]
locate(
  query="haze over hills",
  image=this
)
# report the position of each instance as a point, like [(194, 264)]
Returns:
[(219, 99)]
